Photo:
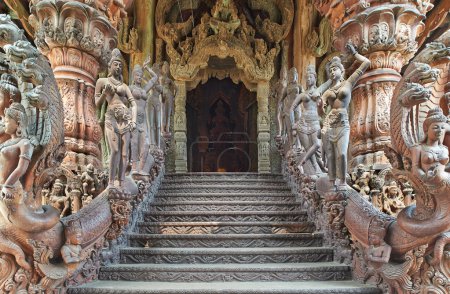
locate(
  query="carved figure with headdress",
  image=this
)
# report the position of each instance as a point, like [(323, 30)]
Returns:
[(140, 139), (120, 117)]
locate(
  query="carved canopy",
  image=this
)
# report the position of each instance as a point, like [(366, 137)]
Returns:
[(225, 38)]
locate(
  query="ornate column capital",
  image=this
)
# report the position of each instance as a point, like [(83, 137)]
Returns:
[(73, 34)]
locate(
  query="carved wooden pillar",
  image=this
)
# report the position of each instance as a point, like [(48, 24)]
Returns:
[(263, 91), (145, 24), (386, 34), (305, 15), (180, 128), (77, 40)]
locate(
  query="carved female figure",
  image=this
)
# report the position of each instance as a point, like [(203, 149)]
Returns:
[(292, 91), (15, 156), (430, 158), (154, 115), (308, 126), (140, 136), (338, 97), (169, 91), (119, 122)]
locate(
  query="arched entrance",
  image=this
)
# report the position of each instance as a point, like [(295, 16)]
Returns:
[(222, 128), (237, 40)]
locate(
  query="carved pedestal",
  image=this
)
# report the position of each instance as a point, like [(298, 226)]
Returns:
[(78, 40)]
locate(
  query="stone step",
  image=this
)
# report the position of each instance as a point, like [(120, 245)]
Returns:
[(256, 188), (231, 183), (221, 206), (225, 240), (223, 176), (223, 287), (223, 193), (322, 271), (225, 227), (207, 197), (225, 255), (225, 216)]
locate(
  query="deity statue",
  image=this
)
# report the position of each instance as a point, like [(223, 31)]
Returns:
[(225, 19), (169, 90), (308, 126), (292, 90), (280, 92), (154, 115), (379, 251), (338, 98), (140, 136), (9, 92), (58, 198), (120, 117)]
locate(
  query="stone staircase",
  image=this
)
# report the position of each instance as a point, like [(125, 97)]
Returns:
[(229, 234)]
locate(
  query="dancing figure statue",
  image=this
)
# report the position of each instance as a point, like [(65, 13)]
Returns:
[(169, 91), (284, 106), (120, 117), (308, 126), (338, 98), (140, 136), (154, 115), (280, 92)]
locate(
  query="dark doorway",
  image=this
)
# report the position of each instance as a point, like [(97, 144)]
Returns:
[(222, 128)]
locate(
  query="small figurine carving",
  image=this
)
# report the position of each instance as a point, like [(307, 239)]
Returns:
[(379, 251), (71, 251), (140, 136), (58, 199), (361, 179), (89, 181), (392, 199), (119, 122), (169, 91), (308, 126), (338, 97), (280, 92)]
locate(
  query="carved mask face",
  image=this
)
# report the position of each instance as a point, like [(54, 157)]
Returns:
[(11, 125), (436, 130)]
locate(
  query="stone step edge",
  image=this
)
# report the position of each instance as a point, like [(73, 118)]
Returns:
[(231, 213), (209, 224), (262, 267), (222, 203), (227, 236), (228, 250), (297, 287)]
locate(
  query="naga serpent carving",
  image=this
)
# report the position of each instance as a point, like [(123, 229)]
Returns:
[(31, 147), (418, 128)]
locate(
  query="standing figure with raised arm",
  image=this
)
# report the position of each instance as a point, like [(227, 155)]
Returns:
[(292, 90), (141, 135), (308, 126), (154, 115), (120, 117), (338, 97), (280, 92), (169, 90)]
